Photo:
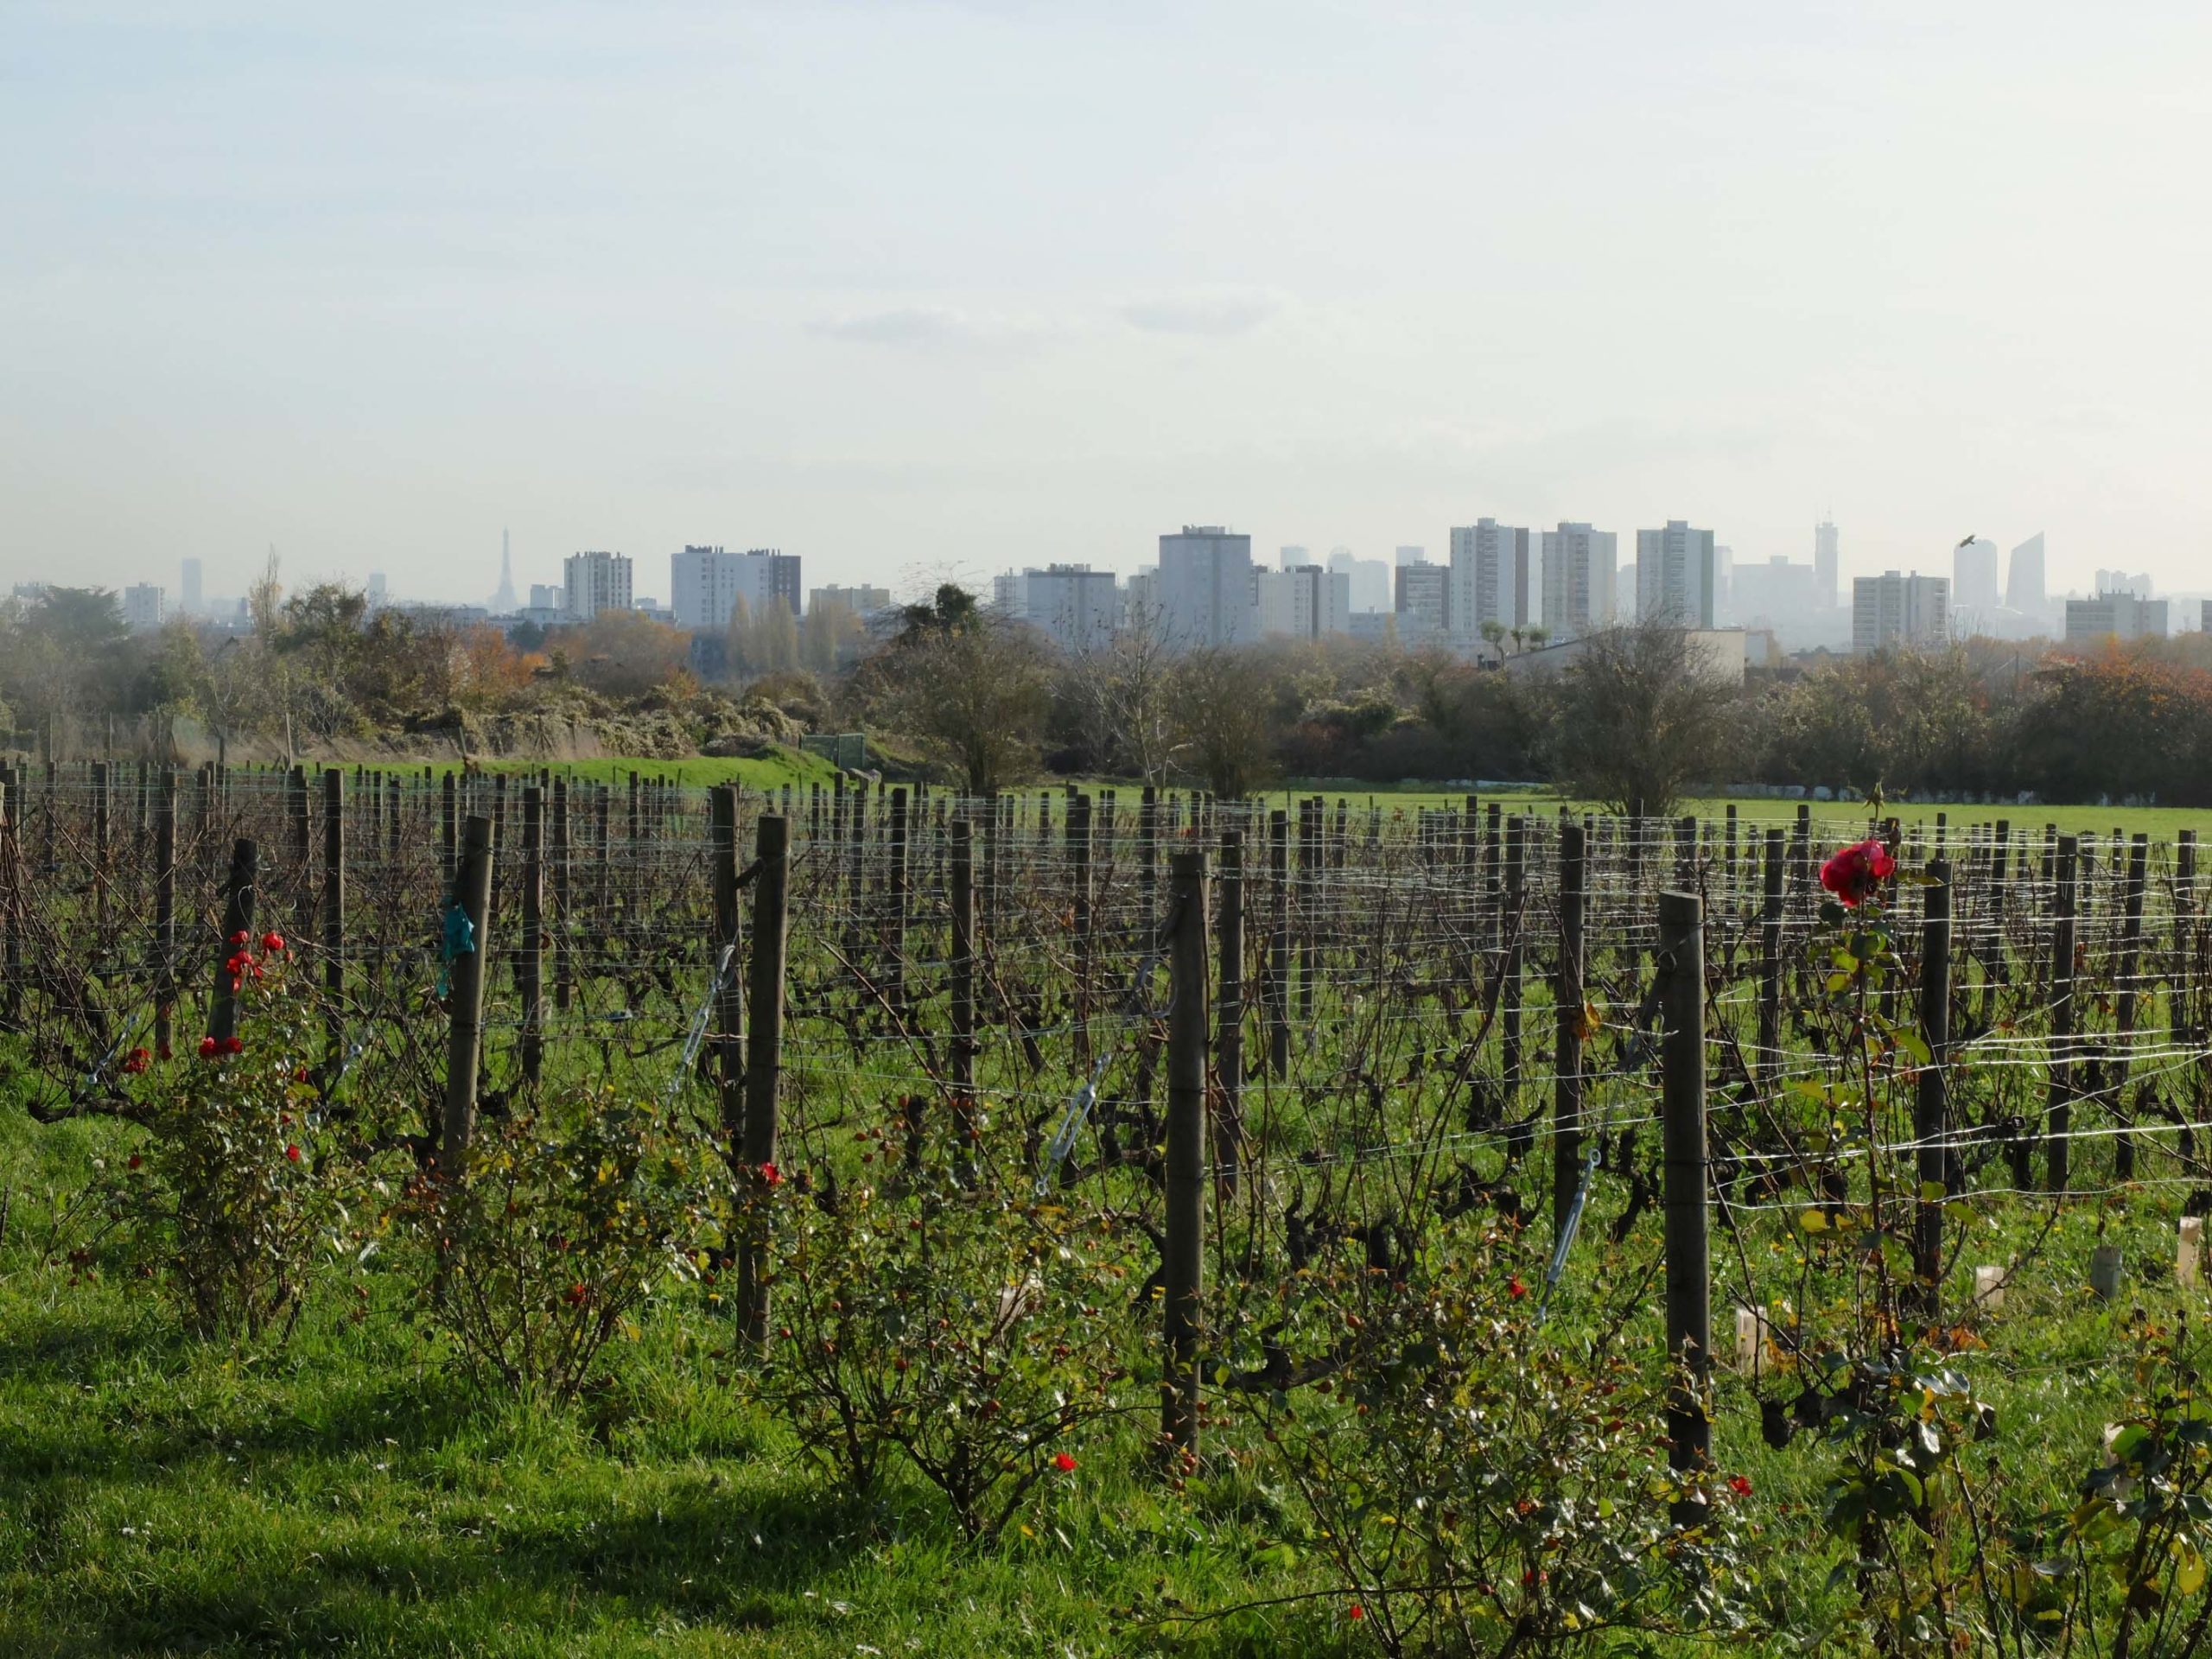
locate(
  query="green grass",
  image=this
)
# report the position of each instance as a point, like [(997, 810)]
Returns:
[(347, 1493), (2159, 822), (780, 767)]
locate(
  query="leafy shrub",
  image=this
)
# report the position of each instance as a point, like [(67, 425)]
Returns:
[(244, 1189), (968, 1336), (560, 1224), (1477, 1487)]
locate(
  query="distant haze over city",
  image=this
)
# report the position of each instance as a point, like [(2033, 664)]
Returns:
[(910, 290)]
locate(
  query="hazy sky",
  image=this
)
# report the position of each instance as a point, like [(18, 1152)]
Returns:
[(904, 287)]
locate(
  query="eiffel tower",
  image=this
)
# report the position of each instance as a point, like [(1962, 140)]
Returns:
[(503, 602)]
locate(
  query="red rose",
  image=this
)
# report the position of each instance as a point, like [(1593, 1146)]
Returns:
[(577, 1296), (138, 1061), (209, 1048), (1354, 1611), (240, 938), (771, 1176), (1852, 873), (272, 942), (1740, 1485), (292, 1153), (233, 1045), (1515, 1288), (1064, 1463)]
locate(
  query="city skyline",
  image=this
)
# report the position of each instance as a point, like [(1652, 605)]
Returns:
[(369, 285)]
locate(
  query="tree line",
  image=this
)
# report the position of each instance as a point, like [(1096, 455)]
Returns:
[(1628, 717)]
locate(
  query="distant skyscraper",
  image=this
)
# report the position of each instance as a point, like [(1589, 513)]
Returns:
[(1205, 593), (379, 590), (1894, 610), (1824, 543), (503, 602), (2024, 592), (596, 582), (1579, 571), (1490, 575), (1975, 595), (1674, 575), (1370, 579), (194, 601), (1413, 556)]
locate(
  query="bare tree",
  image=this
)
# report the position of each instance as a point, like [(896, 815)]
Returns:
[(1223, 701), (1640, 716), (1121, 693)]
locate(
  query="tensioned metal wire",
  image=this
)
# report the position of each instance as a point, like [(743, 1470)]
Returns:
[(1400, 1036)]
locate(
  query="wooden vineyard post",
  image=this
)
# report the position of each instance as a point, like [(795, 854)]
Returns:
[(1229, 1015), (2125, 1002), (963, 998), (895, 919), (465, 1036), (238, 919), (1148, 856), (448, 832), (14, 895), (1278, 943), (763, 1064), (303, 871), (1931, 1105), (1570, 998), (1309, 856), (729, 986), (333, 917), (1513, 955), (564, 961), (1078, 846), (1768, 1061), (2059, 1117), (100, 843), (1689, 1312), (164, 912), (530, 958), (1187, 1153)]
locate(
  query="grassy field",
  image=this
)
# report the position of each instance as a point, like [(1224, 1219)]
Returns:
[(780, 767), (345, 1492)]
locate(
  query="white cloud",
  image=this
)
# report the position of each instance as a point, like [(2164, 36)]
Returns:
[(1215, 313)]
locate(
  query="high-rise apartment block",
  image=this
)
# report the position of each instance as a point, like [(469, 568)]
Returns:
[(1826, 543), (144, 606), (862, 601), (1675, 574), (1308, 603), (2115, 615), (1206, 587), (596, 582), (1490, 575), (1424, 598), (1077, 608), (706, 584), (193, 599), (1898, 610), (1580, 567)]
